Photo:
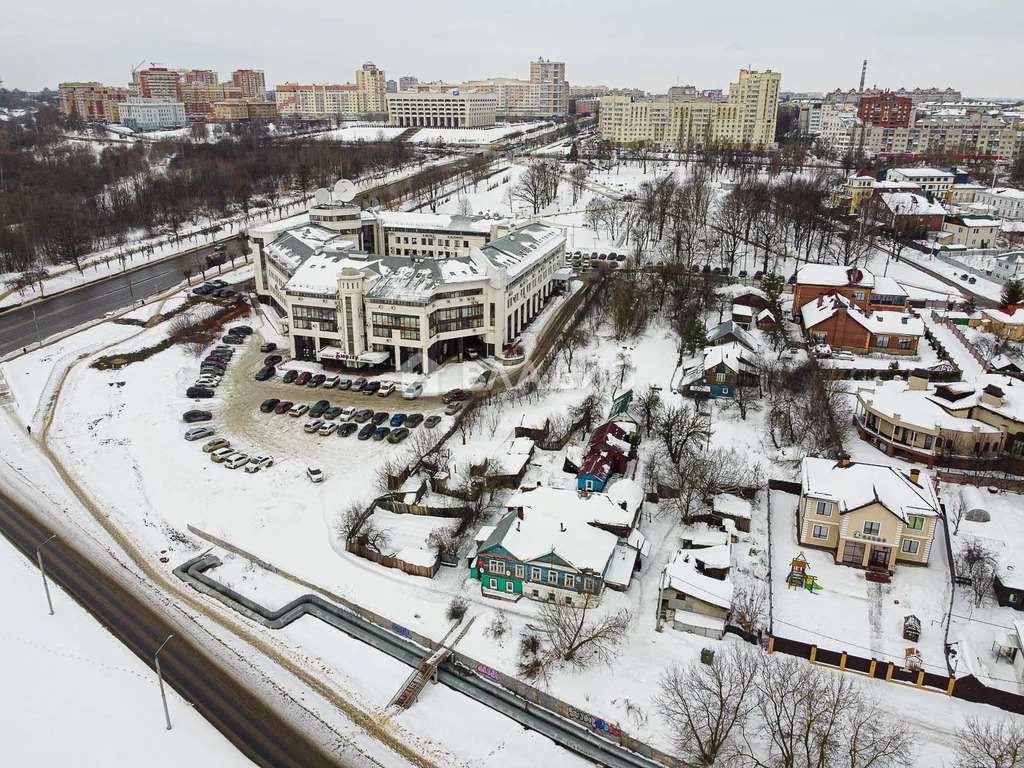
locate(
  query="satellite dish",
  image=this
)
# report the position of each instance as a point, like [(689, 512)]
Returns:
[(344, 190), (322, 196)]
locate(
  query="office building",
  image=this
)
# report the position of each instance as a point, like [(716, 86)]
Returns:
[(441, 110), (143, 114), (391, 87), (251, 83)]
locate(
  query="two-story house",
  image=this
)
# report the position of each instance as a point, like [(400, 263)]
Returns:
[(835, 320), (869, 516)]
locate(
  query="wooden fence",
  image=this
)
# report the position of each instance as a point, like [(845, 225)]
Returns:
[(401, 508), (357, 547)]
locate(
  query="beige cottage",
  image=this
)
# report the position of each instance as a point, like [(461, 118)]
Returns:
[(869, 516)]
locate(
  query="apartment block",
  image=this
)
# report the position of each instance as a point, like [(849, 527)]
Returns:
[(372, 85), (242, 110), (200, 77), (317, 100), (92, 101), (159, 83), (407, 83), (199, 98), (886, 110), (547, 79), (441, 110), (251, 83)]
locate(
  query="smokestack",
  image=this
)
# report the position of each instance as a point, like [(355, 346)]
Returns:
[(845, 459), (915, 475), (863, 75)]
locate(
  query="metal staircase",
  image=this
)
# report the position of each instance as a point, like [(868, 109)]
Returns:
[(427, 669)]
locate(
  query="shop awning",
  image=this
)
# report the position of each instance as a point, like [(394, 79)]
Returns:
[(374, 358)]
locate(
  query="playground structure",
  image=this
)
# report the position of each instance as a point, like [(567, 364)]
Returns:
[(800, 578)]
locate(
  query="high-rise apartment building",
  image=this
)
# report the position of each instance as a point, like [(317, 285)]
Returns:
[(391, 87), (746, 118), (159, 83), (407, 83), (200, 77), (550, 88), (886, 110), (199, 98), (372, 85), (92, 101), (318, 100), (251, 83)]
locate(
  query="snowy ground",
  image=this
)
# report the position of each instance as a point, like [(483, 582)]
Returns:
[(982, 286), (79, 697), (376, 131)]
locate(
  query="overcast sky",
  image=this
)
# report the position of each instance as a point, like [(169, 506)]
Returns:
[(972, 45)]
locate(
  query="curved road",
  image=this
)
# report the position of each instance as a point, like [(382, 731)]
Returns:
[(257, 730)]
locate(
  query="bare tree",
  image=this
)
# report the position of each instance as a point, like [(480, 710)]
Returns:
[(707, 705), (444, 540), (679, 425), (465, 208), (990, 744), (357, 521), (572, 341), (457, 609), (578, 637), (649, 405), (956, 508), (577, 182), (976, 565), (750, 607)]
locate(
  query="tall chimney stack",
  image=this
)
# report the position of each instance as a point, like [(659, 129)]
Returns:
[(863, 75)]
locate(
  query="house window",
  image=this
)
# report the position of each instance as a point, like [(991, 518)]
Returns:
[(818, 338), (720, 378), (859, 295), (494, 583), (519, 571), (510, 586), (570, 581), (588, 584), (882, 341), (1012, 597), (905, 343), (819, 532), (916, 524), (496, 566), (910, 546), (534, 574), (824, 509), (588, 484), (872, 529), (927, 441), (552, 577)]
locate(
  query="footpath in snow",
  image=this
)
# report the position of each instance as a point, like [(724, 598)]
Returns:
[(961, 355)]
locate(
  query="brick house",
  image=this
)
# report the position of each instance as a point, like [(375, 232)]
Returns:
[(812, 280), (834, 320), (910, 213)]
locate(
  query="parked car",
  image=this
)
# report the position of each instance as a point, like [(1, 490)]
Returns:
[(758, 275), (364, 415), (381, 433), (303, 378), (848, 356), (241, 330), (367, 431), (289, 376), (236, 461), (218, 283), (328, 428), (318, 408), (266, 372), (269, 404), (379, 418), (358, 384), (332, 413), (216, 444), (453, 408), (412, 391), (347, 428), (283, 407), (298, 409), (344, 382), (331, 382), (191, 417), (432, 421), (203, 290), (386, 388), (236, 340), (272, 359), (398, 420), (348, 413), (268, 346), (210, 382), (972, 280), (413, 420), (316, 381), (198, 433), (314, 474), (742, 273), (312, 426), (256, 463), (471, 353), (223, 293), (398, 435), (455, 395), (198, 392), (220, 454), (371, 388)]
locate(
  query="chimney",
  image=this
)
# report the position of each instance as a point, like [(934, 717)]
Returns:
[(519, 514), (844, 460), (915, 475)]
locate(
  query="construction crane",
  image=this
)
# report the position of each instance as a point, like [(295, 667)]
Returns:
[(136, 69)]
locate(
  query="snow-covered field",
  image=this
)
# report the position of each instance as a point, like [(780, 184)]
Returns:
[(73, 695), (375, 132)]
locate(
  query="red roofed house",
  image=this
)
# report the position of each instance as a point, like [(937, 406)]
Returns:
[(597, 468), (609, 437), (834, 320)]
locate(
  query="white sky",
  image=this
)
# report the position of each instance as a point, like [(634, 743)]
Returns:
[(966, 44)]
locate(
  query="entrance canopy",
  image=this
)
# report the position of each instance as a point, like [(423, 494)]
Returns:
[(368, 357), (374, 358)]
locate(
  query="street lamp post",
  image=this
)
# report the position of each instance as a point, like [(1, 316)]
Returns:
[(42, 571), (160, 677)]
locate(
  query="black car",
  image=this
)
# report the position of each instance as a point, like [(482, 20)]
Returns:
[(265, 373), (398, 435), (413, 420), (268, 347), (223, 293), (318, 408), (269, 404), (380, 417), (347, 428), (236, 340), (371, 388), (191, 417), (198, 392), (213, 362), (432, 421), (272, 359), (289, 376), (332, 413), (203, 290), (316, 381), (241, 330), (367, 431), (362, 415)]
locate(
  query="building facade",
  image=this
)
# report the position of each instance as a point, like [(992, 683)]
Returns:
[(441, 110), (972, 231), (372, 85), (159, 83), (242, 110), (199, 99), (407, 83), (93, 101), (547, 80), (142, 114), (1004, 202), (317, 100), (251, 82), (886, 110)]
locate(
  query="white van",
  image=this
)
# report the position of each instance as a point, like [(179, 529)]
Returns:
[(412, 391)]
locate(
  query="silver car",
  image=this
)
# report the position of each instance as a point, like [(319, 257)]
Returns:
[(198, 433)]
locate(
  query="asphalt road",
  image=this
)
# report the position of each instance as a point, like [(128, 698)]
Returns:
[(258, 731), (22, 326)]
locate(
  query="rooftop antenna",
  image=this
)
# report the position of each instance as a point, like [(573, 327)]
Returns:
[(863, 75)]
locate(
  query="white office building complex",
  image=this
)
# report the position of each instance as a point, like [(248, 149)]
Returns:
[(451, 109), (1004, 202), (143, 114), (348, 308)]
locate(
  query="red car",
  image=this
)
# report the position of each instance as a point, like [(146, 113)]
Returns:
[(303, 377), (283, 406), (454, 395)]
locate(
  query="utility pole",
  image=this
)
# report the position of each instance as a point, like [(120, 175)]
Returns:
[(160, 677), (42, 571)]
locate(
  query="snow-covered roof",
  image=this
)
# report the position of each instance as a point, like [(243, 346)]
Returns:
[(566, 503), (742, 310), (520, 250), (430, 222), (533, 421), (765, 314), (320, 272), (919, 173), (682, 575), (703, 535), (919, 408), (733, 506), (858, 485), (729, 328), (877, 322), (1006, 192), (834, 275), (1006, 318), (541, 532), (887, 286), (977, 221), (620, 568), (911, 204), (627, 493), (733, 355)]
